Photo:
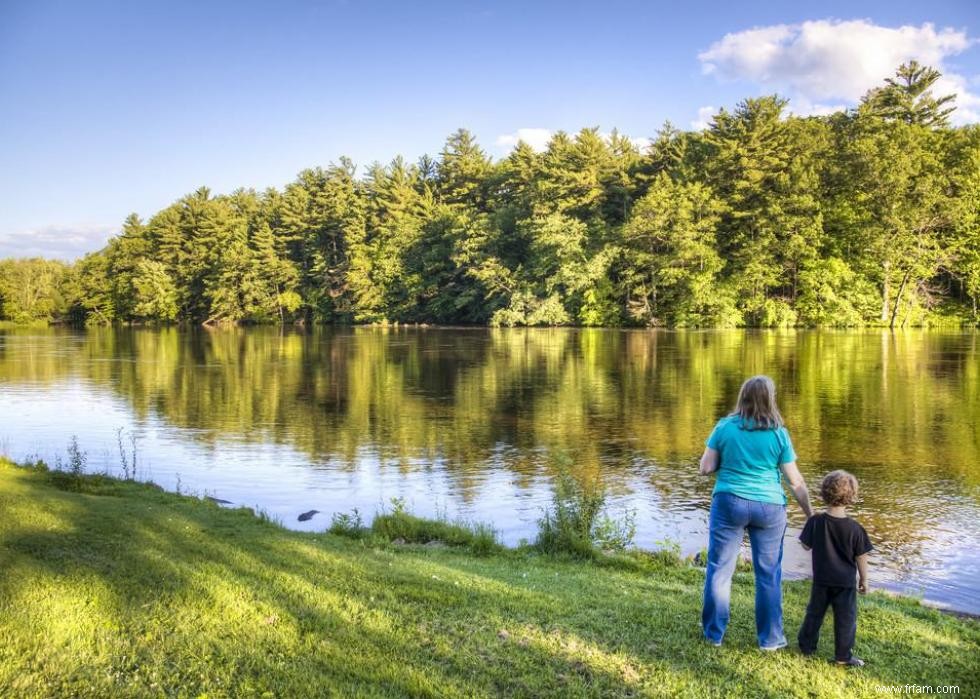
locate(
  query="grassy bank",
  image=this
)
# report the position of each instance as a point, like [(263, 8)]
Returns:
[(115, 588)]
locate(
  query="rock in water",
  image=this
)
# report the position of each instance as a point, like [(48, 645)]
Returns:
[(217, 501), (306, 516)]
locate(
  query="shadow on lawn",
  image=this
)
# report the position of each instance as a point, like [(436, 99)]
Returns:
[(267, 610)]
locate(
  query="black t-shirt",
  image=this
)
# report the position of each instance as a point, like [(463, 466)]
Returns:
[(836, 542)]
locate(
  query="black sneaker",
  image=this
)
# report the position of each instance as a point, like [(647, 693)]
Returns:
[(852, 662)]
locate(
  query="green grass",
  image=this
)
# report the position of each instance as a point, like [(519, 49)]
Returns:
[(400, 527), (403, 527), (113, 588)]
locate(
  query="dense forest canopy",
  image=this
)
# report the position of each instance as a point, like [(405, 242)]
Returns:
[(762, 219)]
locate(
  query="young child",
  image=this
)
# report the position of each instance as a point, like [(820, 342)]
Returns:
[(839, 547)]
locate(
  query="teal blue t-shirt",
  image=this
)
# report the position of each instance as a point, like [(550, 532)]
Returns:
[(750, 459)]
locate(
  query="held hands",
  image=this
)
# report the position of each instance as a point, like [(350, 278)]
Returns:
[(796, 483)]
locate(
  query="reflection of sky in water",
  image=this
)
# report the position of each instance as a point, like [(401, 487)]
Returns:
[(926, 529)]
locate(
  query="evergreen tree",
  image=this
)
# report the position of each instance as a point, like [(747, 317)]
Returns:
[(154, 292), (892, 210), (396, 210), (963, 166), (124, 254), (670, 263), (461, 173), (94, 300), (772, 221), (322, 222), (908, 97)]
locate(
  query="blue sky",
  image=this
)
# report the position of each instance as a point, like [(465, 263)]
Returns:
[(108, 108)]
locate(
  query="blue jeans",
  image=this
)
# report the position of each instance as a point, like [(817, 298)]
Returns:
[(766, 522)]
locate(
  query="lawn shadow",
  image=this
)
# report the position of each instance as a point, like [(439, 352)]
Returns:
[(201, 599)]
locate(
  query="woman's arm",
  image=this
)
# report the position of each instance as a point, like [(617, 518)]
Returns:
[(709, 461), (798, 486)]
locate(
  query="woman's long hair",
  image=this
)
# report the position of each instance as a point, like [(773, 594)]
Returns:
[(756, 404)]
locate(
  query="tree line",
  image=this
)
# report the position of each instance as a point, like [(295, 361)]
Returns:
[(865, 216)]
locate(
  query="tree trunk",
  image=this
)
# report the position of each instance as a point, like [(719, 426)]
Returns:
[(884, 294), (282, 319), (898, 298)]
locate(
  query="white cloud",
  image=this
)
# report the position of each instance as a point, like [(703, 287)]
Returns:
[(820, 64), (62, 242), (536, 138), (641, 142), (704, 117), (967, 103)]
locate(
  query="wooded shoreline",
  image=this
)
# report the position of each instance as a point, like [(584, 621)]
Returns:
[(869, 216)]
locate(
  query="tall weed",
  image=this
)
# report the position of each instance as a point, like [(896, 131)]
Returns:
[(577, 523)]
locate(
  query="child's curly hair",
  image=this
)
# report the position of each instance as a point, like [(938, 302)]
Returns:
[(839, 488)]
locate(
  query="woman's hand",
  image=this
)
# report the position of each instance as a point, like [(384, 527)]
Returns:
[(709, 461), (796, 483)]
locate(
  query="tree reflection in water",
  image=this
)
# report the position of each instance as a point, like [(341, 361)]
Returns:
[(480, 407)]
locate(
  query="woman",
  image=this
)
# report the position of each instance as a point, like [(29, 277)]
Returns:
[(749, 450)]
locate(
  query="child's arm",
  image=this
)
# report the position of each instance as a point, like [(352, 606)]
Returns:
[(862, 563), (709, 461), (806, 536)]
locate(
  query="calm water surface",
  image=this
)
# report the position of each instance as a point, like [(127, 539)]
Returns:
[(467, 422)]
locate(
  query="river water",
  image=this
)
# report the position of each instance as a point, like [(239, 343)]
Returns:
[(471, 423)]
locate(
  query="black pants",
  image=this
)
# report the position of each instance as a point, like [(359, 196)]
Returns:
[(844, 602)]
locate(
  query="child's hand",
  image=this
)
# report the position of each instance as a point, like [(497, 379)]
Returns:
[(862, 566)]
